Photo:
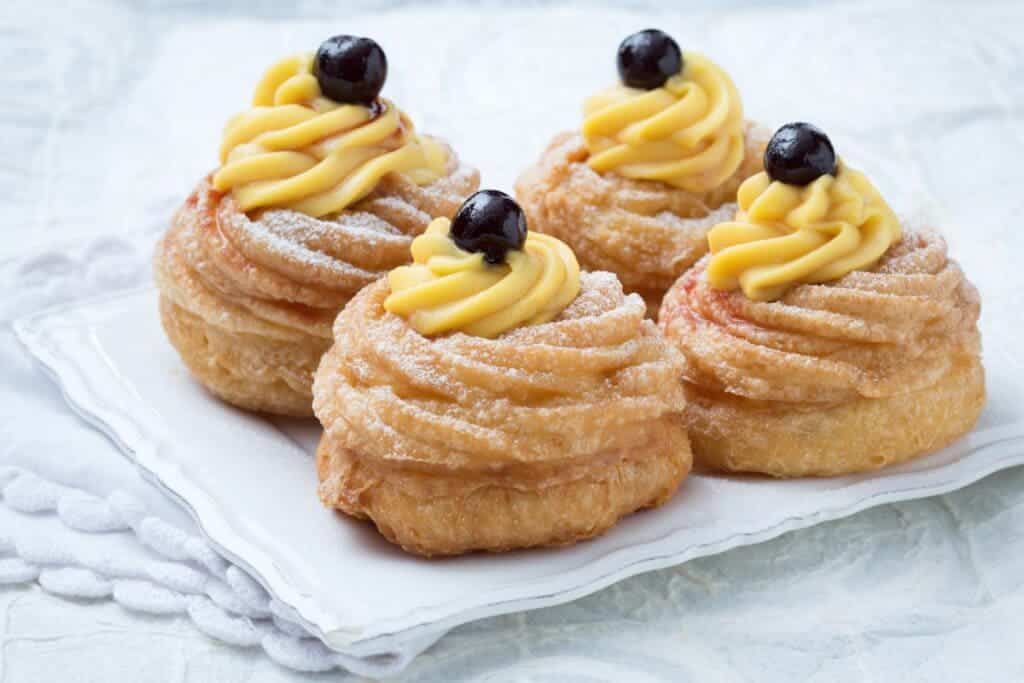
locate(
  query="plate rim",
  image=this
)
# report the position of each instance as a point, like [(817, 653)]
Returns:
[(415, 629)]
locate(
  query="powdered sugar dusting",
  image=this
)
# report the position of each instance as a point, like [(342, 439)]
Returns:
[(288, 232), (725, 212)]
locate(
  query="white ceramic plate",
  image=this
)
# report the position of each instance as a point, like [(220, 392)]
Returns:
[(250, 483)]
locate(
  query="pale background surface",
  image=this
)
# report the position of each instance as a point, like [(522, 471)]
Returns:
[(110, 113)]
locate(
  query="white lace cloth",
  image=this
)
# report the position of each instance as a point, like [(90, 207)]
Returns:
[(109, 110), (83, 524)]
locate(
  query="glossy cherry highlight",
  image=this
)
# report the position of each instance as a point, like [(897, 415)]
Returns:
[(798, 154), (490, 222), (649, 58), (350, 69)]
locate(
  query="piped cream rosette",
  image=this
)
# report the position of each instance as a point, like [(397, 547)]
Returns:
[(783, 235), (688, 133), (296, 149), (636, 190), (447, 288)]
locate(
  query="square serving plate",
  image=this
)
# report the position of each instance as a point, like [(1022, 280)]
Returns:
[(249, 481)]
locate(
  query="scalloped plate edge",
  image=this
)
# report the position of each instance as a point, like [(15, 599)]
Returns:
[(1002, 447)]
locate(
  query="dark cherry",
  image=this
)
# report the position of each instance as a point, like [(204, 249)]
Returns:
[(350, 69), (647, 59), (798, 154), (490, 222)]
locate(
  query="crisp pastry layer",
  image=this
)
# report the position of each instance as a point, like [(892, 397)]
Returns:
[(544, 436), (738, 435), (247, 370), (248, 299), (875, 368), (646, 232)]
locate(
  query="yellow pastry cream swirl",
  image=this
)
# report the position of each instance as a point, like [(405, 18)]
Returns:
[(688, 133), (296, 149), (784, 235), (448, 289)]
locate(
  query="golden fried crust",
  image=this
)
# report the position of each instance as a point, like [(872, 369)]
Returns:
[(248, 300), (644, 231), (499, 516), (247, 370), (737, 435), (876, 368), (544, 436)]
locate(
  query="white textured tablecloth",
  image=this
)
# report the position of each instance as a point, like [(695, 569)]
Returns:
[(110, 112)]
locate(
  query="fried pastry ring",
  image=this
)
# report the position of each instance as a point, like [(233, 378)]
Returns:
[(645, 231), (875, 368), (544, 436), (248, 301)]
